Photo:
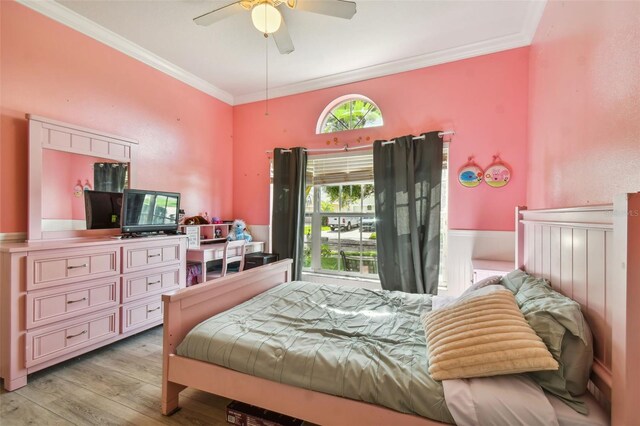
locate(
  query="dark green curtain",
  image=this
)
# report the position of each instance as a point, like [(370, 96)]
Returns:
[(110, 177), (407, 177), (289, 168)]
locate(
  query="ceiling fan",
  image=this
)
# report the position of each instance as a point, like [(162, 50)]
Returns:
[(267, 18)]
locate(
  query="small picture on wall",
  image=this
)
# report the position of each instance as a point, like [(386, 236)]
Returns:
[(470, 175), (497, 174)]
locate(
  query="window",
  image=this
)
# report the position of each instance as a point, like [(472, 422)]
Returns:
[(339, 231), (348, 113), (339, 227)]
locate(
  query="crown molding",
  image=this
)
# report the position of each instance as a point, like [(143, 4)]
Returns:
[(389, 68), (512, 41), (79, 23), (65, 16)]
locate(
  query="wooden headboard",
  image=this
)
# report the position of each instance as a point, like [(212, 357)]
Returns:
[(590, 255)]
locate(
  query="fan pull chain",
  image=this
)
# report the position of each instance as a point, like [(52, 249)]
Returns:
[(266, 88), (266, 77)]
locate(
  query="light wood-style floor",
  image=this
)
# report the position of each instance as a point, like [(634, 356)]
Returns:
[(116, 385)]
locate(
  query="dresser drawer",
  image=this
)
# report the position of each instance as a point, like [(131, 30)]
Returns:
[(56, 304), (54, 341), (47, 269), (139, 257), (137, 286), (143, 312)]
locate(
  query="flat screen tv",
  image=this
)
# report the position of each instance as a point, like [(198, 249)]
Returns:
[(102, 209), (149, 211)]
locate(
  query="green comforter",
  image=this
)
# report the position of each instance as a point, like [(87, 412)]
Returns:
[(351, 342)]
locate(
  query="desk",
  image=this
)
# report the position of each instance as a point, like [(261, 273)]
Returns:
[(208, 252)]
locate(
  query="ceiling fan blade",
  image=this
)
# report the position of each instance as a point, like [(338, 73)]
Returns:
[(337, 8), (283, 39), (218, 14)]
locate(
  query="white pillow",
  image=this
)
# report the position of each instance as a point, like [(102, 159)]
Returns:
[(496, 279), (482, 291), (491, 284)]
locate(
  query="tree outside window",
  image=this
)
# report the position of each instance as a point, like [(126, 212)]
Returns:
[(348, 113)]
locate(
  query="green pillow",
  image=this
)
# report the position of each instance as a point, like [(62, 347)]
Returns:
[(561, 325), (516, 279)]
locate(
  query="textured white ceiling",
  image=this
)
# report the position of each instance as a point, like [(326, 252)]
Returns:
[(382, 38)]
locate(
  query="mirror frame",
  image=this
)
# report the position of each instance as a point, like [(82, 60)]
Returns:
[(45, 133)]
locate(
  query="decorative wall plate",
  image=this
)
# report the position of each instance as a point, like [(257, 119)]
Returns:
[(497, 174), (470, 174)]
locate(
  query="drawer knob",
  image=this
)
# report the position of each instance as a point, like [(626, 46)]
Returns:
[(76, 301), (84, 265), (155, 282), (154, 309), (76, 335), (153, 255)]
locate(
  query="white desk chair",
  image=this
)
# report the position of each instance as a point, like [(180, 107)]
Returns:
[(233, 252)]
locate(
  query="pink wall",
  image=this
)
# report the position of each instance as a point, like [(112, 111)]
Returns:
[(584, 104), (57, 189), (51, 70), (81, 169), (483, 99), (62, 171)]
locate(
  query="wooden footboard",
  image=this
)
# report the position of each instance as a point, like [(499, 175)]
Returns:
[(186, 308)]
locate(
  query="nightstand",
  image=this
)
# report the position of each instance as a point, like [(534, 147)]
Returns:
[(485, 268)]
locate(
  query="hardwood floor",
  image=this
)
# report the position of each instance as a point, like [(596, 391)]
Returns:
[(116, 385)]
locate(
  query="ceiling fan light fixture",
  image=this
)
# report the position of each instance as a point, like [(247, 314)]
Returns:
[(266, 18)]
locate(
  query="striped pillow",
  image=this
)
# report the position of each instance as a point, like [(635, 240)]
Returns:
[(483, 336)]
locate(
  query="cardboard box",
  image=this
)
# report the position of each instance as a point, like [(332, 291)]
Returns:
[(241, 414)]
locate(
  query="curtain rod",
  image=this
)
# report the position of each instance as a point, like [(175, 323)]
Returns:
[(347, 148)]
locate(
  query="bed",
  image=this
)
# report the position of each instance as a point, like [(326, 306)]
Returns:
[(587, 253)]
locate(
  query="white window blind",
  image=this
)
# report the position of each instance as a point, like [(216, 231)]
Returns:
[(341, 169), (335, 169), (346, 168)]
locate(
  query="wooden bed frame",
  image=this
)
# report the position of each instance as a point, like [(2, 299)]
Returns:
[(591, 254)]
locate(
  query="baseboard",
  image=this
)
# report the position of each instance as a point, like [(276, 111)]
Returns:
[(13, 237)]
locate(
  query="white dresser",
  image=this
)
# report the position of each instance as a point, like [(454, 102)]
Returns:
[(59, 299)]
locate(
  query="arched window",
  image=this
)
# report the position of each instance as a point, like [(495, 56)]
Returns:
[(349, 112)]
